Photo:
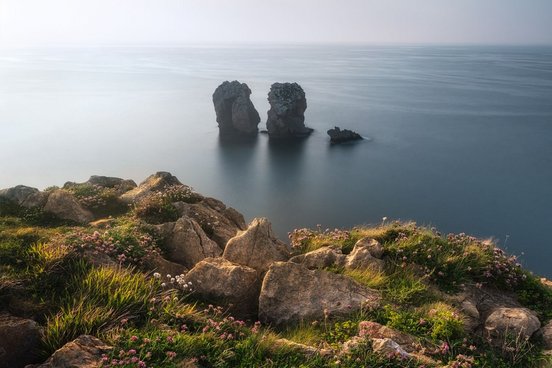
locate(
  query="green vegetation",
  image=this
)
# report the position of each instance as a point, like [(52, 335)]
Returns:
[(157, 326)]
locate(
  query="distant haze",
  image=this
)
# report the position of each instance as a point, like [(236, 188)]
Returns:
[(174, 22)]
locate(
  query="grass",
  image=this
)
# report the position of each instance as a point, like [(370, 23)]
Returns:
[(128, 309)]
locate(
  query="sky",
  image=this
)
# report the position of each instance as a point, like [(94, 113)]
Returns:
[(174, 22)]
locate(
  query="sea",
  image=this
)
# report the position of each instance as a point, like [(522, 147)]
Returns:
[(457, 137)]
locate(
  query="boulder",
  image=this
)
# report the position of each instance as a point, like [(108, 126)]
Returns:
[(389, 347), (340, 136), (320, 258), (64, 205), (220, 281), (24, 196), (286, 117), (291, 293), (235, 111), (153, 183), (256, 247), (546, 332), (19, 341), (361, 257), (511, 323), (188, 244), (219, 222), (374, 330), (156, 263), (374, 247), (83, 352)]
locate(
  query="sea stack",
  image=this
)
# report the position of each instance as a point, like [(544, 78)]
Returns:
[(236, 114), (286, 117)]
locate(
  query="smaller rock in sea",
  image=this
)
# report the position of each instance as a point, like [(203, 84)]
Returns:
[(339, 136)]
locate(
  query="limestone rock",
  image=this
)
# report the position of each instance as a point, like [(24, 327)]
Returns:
[(361, 258), (320, 258), (164, 267), (220, 281), (152, 184), (511, 321), (64, 205), (83, 352), (256, 247), (24, 196), (375, 330), (219, 222), (374, 247), (546, 332), (340, 136), (188, 244), (292, 293), (19, 341), (235, 111), (286, 117), (388, 347)]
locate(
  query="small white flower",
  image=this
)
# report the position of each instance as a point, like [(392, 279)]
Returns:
[(157, 275)]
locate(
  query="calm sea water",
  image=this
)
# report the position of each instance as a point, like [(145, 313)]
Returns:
[(461, 137)]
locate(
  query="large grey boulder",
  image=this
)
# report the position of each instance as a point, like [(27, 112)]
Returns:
[(188, 244), (83, 352), (320, 258), (19, 341), (235, 111), (291, 293), (64, 205), (504, 323), (24, 196), (257, 247), (153, 183), (223, 282), (219, 222), (286, 117)]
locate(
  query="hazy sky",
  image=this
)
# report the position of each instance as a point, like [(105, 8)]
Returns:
[(39, 22)]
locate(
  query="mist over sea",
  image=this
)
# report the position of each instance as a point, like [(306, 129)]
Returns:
[(460, 136)]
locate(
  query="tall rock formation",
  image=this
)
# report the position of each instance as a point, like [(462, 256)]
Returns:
[(235, 111), (286, 117)]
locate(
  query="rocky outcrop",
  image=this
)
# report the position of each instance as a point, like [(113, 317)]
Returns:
[(292, 293), (320, 258), (24, 196), (514, 323), (152, 184), (188, 244), (286, 117), (64, 205), (19, 341), (340, 136), (220, 281), (219, 222), (235, 111), (83, 352), (256, 247)]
